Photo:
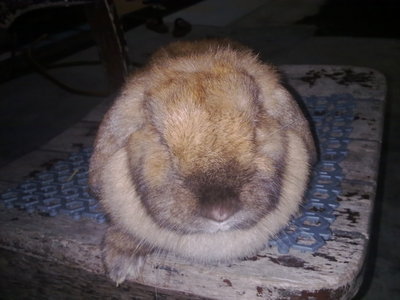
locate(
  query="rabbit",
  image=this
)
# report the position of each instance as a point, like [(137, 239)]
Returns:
[(204, 154)]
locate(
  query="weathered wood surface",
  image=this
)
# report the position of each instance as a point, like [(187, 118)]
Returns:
[(333, 272)]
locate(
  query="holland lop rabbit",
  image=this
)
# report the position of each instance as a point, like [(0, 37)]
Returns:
[(203, 154)]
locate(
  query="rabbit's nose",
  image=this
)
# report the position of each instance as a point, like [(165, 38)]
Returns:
[(218, 203), (219, 213)]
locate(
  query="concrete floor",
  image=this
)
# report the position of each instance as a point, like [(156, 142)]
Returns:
[(33, 110)]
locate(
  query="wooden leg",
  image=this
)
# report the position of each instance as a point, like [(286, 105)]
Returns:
[(108, 34)]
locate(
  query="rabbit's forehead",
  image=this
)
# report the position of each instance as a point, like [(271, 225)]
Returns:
[(197, 114), (205, 117), (199, 142), (216, 87)]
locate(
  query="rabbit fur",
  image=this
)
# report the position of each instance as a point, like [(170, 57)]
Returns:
[(204, 154)]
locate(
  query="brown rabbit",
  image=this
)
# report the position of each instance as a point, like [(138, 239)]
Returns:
[(204, 154)]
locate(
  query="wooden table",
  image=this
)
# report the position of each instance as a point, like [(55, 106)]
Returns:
[(59, 258)]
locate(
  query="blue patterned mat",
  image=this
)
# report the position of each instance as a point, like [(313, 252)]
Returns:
[(63, 189), (332, 118)]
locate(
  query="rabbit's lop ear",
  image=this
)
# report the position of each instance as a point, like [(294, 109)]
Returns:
[(280, 105), (149, 160)]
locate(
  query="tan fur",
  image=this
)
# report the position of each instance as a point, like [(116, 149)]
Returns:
[(204, 154)]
